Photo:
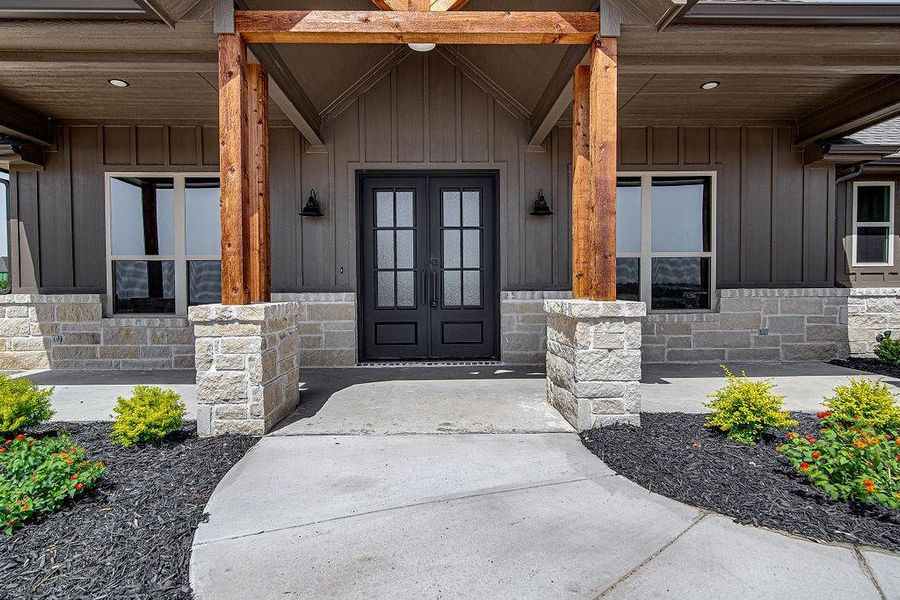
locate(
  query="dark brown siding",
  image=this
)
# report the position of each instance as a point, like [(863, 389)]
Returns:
[(775, 217)]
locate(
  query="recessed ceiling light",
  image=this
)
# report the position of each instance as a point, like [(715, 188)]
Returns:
[(422, 46), (118, 82), (709, 85)]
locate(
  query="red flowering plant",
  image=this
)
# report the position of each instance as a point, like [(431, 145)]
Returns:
[(857, 462), (38, 475)]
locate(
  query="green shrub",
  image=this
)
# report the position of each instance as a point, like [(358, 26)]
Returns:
[(148, 416), (744, 410), (848, 462), (22, 404), (888, 350), (37, 476), (865, 401)]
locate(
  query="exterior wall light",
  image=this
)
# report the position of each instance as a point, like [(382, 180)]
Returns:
[(709, 85), (120, 83), (422, 47), (541, 208), (312, 208)]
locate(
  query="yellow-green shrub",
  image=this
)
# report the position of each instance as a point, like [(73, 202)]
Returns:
[(148, 416), (862, 400), (744, 409), (22, 404)]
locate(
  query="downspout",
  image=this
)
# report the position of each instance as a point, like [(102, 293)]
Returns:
[(852, 174)]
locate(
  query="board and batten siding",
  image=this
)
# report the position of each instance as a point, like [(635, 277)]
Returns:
[(775, 217)]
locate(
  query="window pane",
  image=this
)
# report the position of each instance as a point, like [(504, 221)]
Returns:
[(385, 289), (472, 248), (384, 209), (4, 233), (471, 208), (201, 217), (204, 282), (142, 215), (405, 209), (628, 215), (472, 288), (451, 248), (680, 283), (142, 286), (872, 245), (452, 291), (384, 242), (628, 278), (405, 249), (450, 203), (406, 289), (680, 214), (873, 203)]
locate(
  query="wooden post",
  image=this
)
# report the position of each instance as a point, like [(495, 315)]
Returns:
[(234, 178), (259, 269), (594, 194)]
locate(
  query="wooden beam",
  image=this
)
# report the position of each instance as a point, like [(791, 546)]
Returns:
[(443, 5), (234, 178), (868, 106), (23, 123), (433, 5), (110, 62), (259, 270), (393, 27), (582, 196)]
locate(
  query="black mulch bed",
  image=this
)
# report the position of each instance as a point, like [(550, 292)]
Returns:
[(872, 365), (674, 455), (130, 537)]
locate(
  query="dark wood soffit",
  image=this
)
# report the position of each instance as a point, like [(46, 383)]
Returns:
[(775, 13), (392, 27), (154, 8), (20, 122), (787, 63), (864, 108), (110, 62)]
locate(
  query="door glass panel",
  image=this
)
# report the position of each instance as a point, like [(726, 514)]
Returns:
[(142, 215), (384, 241), (405, 249), (628, 215), (452, 291), (450, 203), (405, 208), (201, 217), (872, 244), (680, 283), (472, 288), (628, 279), (471, 209), (384, 209), (385, 289), (472, 248), (144, 286), (679, 211), (204, 282), (873, 203), (406, 289), (451, 248)]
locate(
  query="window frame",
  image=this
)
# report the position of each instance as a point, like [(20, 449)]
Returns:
[(180, 256), (857, 224), (5, 183), (646, 255)]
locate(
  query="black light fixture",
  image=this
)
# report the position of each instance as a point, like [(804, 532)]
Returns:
[(541, 208), (312, 208)]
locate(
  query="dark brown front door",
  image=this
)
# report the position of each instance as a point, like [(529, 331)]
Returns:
[(428, 260)]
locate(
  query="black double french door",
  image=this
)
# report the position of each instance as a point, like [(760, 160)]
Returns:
[(428, 258)]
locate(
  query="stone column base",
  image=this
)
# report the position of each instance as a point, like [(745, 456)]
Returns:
[(594, 361), (247, 366)]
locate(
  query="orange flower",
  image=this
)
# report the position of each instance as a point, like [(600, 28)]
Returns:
[(823, 414), (817, 455), (69, 461), (869, 485), (860, 443), (74, 476), (804, 467), (810, 439), (791, 435), (20, 437), (2, 449), (79, 486)]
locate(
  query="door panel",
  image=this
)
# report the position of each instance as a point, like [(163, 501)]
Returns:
[(428, 282)]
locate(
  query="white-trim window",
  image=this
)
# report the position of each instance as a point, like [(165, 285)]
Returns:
[(873, 223), (162, 242), (665, 239)]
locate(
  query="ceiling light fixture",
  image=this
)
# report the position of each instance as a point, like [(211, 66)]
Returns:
[(709, 85), (422, 47), (121, 83)]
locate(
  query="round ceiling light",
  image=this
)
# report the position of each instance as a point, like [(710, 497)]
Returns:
[(709, 85), (422, 47), (121, 83)]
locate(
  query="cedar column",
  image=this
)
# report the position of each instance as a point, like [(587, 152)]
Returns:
[(594, 175), (234, 179), (259, 269)]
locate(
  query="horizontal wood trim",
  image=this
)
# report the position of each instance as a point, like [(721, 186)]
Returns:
[(393, 27), (110, 62)]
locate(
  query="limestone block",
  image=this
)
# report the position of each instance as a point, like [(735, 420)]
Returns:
[(15, 327), (221, 386), (810, 351), (801, 306)]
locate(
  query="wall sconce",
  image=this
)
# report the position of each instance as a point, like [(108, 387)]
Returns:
[(541, 209), (312, 208)]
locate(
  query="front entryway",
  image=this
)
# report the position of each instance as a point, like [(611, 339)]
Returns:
[(428, 267)]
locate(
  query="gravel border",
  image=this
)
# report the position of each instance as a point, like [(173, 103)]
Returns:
[(130, 537), (673, 454), (871, 365)]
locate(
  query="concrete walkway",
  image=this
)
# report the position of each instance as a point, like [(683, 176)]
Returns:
[(377, 489)]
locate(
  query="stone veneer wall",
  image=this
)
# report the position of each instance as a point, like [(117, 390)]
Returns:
[(69, 331), (327, 327), (523, 326), (871, 311)]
